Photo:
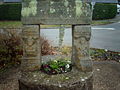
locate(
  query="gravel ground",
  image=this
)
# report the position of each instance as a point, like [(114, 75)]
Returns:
[(106, 77)]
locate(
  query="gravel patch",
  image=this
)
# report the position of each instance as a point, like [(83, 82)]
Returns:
[(106, 75)]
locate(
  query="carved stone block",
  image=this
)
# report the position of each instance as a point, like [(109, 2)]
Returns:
[(80, 52), (31, 48)]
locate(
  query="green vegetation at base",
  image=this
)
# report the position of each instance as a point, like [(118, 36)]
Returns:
[(104, 11), (18, 24), (97, 22), (10, 24)]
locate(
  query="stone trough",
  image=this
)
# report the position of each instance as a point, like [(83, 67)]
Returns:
[(74, 80), (77, 13)]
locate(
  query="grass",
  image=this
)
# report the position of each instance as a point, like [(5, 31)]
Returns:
[(10, 24), (101, 22), (18, 24)]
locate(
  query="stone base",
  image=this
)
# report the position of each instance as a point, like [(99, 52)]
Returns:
[(74, 80)]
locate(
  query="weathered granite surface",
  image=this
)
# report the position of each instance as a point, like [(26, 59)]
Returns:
[(56, 12), (74, 80), (31, 48), (74, 12), (80, 53)]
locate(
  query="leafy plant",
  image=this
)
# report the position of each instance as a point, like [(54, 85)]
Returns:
[(56, 66)]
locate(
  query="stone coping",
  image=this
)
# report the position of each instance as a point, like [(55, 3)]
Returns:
[(60, 80)]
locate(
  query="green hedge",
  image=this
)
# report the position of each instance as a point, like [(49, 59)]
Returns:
[(104, 11), (10, 11), (101, 11)]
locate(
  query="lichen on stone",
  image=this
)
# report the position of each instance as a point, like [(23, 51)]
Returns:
[(78, 8), (31, 9), (52, 10), (66, 3)]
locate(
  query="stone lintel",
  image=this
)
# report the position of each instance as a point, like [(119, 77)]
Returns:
[(56, 12)]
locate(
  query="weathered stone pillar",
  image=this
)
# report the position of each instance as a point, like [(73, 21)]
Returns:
[(31, 48), (80, 53)]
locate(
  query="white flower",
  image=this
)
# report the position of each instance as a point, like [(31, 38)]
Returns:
[(82, 80), (106, 50), (67, 78), (55, 61), (67, 66)]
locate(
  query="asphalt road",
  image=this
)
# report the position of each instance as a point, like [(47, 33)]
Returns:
[(103, 36), (106, 37)]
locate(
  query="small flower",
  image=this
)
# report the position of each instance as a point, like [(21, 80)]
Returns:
[(82, 80), (45, 66), (55, 61), (67, 66), (67, 78), (106, 50)]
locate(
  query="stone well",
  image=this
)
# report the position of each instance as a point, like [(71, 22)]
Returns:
[(77, 13)]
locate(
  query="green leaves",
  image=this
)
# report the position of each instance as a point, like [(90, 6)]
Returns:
[(56, 66)]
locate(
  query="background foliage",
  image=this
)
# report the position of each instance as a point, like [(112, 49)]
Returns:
[(10, 49), (104, 11), (10, 11)]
